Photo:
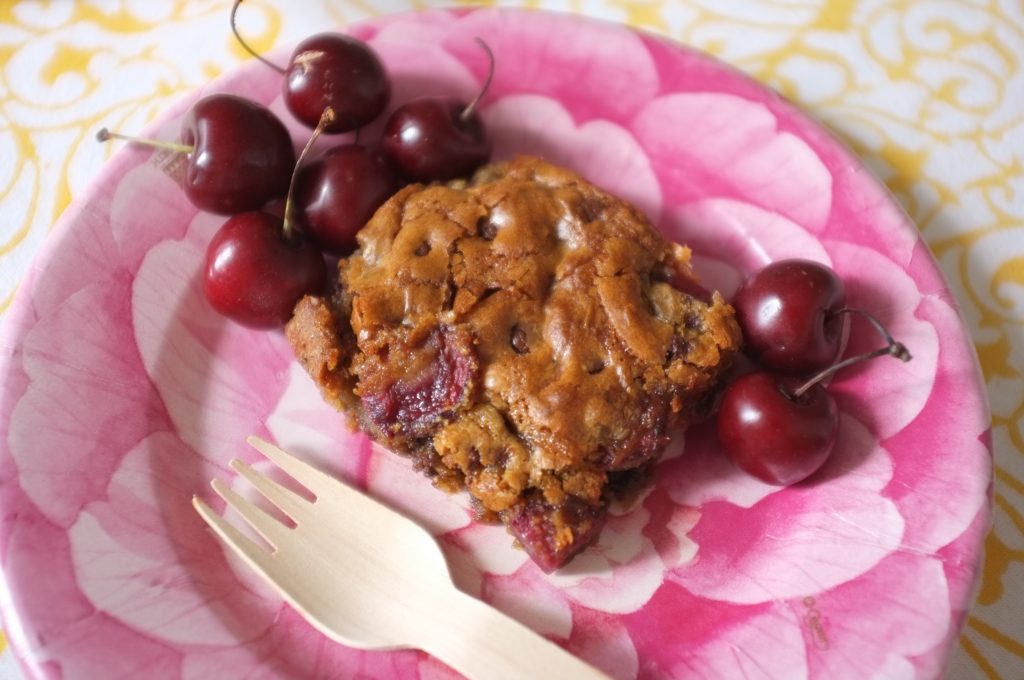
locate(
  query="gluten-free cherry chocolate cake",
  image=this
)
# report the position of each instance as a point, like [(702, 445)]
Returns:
[(524, 336)]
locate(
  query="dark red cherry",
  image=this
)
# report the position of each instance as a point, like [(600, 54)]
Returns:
[(782, 428), (439, 138), (789, 313), (429, 139), (338, 193), (340, 72), (240, 156), (772, 434), (330, 70), (255, 274)]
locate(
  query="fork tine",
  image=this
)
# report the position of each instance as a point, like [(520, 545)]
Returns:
[(238, 541), (291, 503), (268, 527), (316, 481), (256, 556)]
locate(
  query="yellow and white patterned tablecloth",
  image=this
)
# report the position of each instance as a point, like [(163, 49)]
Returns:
[(929, 93)]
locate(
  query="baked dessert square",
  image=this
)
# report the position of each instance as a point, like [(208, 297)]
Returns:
[(524, 336)]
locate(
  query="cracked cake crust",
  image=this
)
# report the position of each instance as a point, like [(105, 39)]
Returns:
[(525, 336)]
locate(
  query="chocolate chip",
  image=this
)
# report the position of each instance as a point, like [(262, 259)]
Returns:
[(422, 249), (596, 367), (662, 273), (486, 228), (692, 320), (518, 340), (504, 458), (474, 464), (678, 348), (591, 209)]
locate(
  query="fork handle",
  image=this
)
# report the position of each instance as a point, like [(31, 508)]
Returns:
[(482, 643)]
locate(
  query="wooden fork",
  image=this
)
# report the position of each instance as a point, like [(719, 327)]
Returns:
[(368, 577)]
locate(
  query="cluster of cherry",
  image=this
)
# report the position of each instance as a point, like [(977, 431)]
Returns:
[(241, 160), (777, 423)]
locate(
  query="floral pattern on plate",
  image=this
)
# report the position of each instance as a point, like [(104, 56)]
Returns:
[(124, 394)]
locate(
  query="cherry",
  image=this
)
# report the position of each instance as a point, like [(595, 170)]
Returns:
[(552, 536), (440, 372), (340, 72), (333, 71), (258, 266), (254, 273), (789, 313), (240, 156), (439, 138), (339, 192), (781, 431), (773, 435)]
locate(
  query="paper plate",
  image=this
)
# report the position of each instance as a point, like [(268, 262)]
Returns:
[(124, 394)]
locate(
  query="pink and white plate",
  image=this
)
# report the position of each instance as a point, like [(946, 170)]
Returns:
[(124, 394)]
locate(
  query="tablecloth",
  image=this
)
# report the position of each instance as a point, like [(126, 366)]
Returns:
[(930, 94)]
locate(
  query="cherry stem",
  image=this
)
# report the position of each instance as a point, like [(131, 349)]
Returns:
[(245, 45), (104, 135), (892, 348), (471, 108), (326, 118)]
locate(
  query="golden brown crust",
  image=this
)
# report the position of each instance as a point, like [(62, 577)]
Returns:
[(585, 350), (315, 336)]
